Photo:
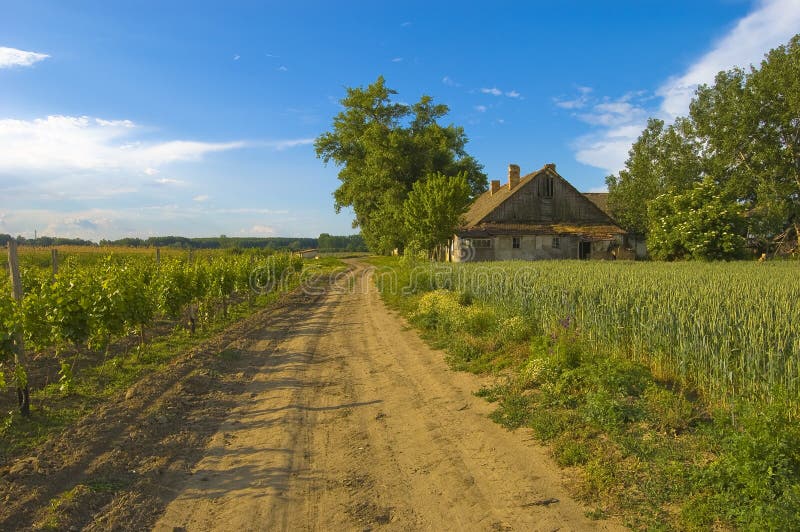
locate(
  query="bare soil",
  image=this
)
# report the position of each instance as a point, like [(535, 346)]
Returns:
[(324, 412)]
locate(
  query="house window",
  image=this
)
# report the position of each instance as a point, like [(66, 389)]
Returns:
[(556, 242), (546, 187), (481, 243), (515, 242)]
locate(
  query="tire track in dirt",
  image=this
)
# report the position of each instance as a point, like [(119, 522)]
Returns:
[(355, 423)]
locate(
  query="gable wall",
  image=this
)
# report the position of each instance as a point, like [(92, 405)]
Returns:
[(566, 206)]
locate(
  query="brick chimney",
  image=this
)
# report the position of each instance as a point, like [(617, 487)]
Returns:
[(513, 176), (495, 186)]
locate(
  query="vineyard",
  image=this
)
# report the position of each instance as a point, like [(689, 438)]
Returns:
[(94, 300)]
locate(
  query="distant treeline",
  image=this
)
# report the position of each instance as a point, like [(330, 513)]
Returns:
[(328, 242), (219, 242), (45, 241), (325, 242)]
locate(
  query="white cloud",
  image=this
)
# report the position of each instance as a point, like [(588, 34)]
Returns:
[(250, 210), (480, 108), (81, 143), (261, 230), (397, 60), (578, 102), (450, 82), (494, 91), (11, 57), (772, 23), (201, 198), (143, 220), (607, 149), (150, 171), (282, 68), (405, 24), (288, 143), (618, 123), (613, 113), (169, 181), (237, 57)]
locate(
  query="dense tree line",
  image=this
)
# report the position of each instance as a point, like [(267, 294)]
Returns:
[(725, 176), (328, 242), (45, 241), (221, 242), (383, 149)]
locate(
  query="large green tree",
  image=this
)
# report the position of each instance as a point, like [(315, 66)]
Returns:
[(744, 130), (382, 148), (661, 159), (749, 124), (434, 208)]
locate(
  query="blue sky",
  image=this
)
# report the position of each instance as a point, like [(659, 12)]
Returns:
[(197, 118)]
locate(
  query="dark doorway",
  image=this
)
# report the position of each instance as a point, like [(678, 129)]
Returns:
[(585, 250)]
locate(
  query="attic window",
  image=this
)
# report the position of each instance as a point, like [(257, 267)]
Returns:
[(546, 187)]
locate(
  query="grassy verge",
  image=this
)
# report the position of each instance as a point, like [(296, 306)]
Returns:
[(639, 447), (58, 404)]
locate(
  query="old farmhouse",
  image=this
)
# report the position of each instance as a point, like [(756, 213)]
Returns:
[(537, 216)]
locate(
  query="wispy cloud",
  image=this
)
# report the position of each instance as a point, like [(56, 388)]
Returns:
[(201, 198), (237, 57), (772, 23), (405, 24), (67, 143), (616, 125), (288, 143), (577, 102), (494, 91), (84, 159), (250, 210), (450, 82), (618, 122), (11, 57), (169, 181), (613, 114), (260, 230), (282, 68), (143, 220), (397, 60), (480, 108)]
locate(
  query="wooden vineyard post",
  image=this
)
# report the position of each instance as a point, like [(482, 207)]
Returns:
[(54, 261), (23, 391), (158, 256)]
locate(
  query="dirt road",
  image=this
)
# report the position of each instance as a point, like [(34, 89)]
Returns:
[(354, 423)]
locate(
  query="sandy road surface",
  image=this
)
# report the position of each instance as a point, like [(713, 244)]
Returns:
[(353, 423)]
